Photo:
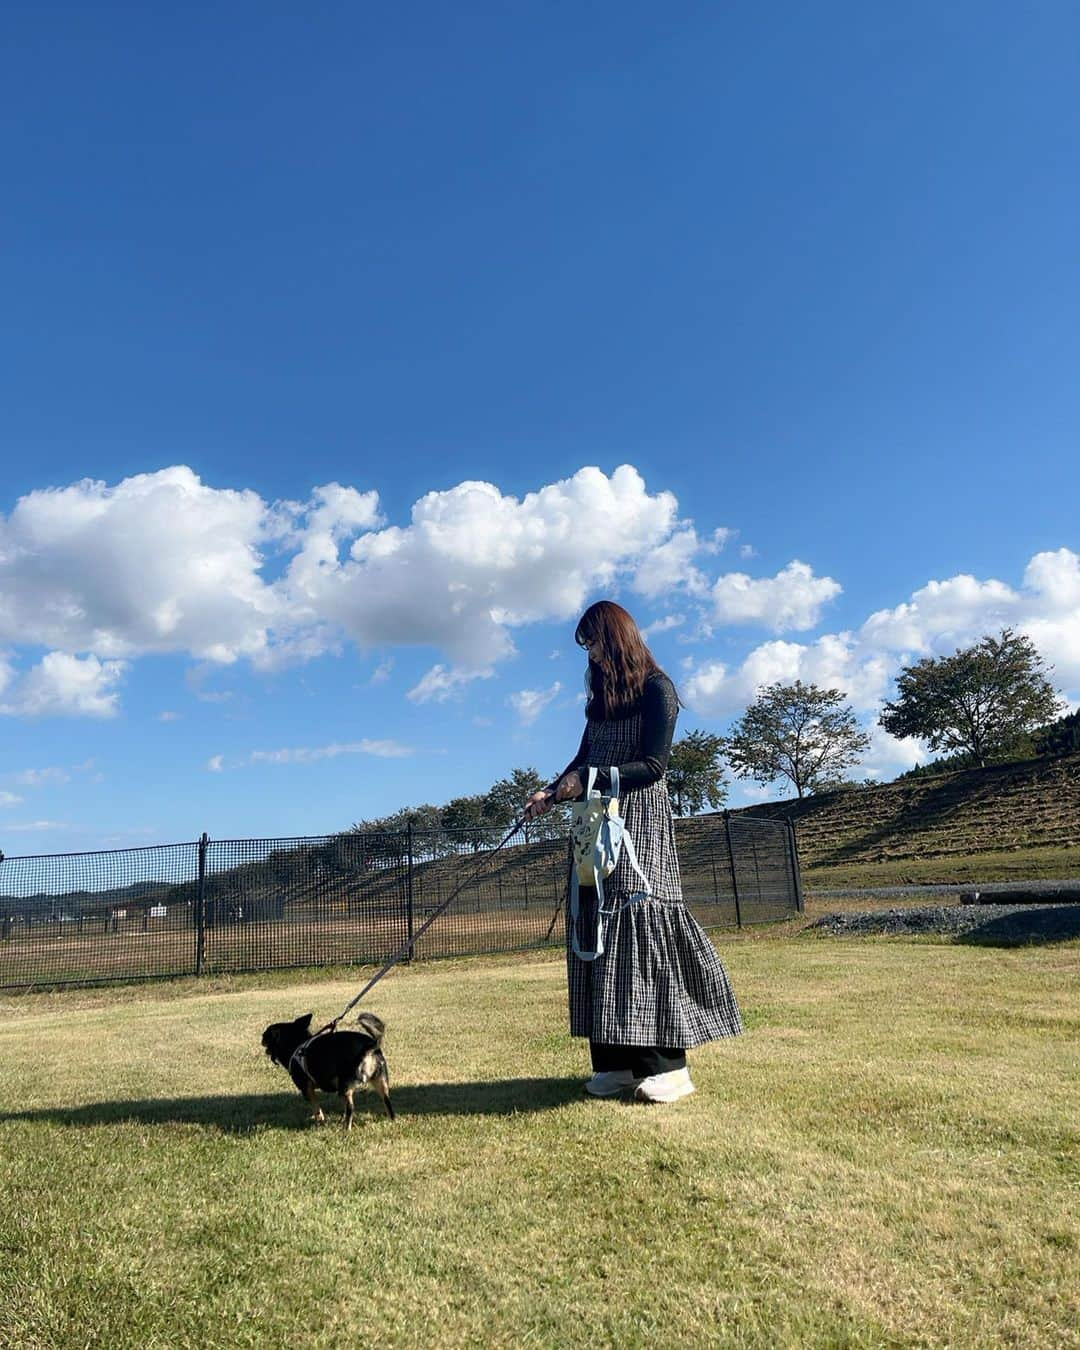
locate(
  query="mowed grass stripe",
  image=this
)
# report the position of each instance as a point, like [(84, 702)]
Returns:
[(889, 1157)]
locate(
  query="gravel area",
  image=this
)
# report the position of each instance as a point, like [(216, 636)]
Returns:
[(1007, 924)]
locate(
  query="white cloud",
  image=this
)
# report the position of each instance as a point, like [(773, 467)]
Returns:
[(311, 754), (474, 563), (440, 683), (888, 756), (747, 551), (664, 625), (939, 617), (792, 599), (9, 798), (944, 615), (34, 826), (381, 673), (160, 562), (63, 685), (667, 567), (38, 777), (530, 703), (168, 716)]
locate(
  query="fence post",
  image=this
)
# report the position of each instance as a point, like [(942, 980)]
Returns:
[(200, 906), (409, 889), (734, 875), (796, 867)]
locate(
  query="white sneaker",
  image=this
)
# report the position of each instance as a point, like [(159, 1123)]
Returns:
[(665, 1087), (611, 1083)]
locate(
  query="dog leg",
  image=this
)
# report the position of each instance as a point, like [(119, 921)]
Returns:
[(349, 1108), (381, 1084), (317, 1111)]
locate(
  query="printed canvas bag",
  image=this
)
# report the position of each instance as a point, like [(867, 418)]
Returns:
[(598, 834)]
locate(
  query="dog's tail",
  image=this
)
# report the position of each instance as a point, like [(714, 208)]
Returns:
[(374, 1026)]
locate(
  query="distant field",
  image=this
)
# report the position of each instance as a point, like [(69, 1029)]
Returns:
[(885, 1159)]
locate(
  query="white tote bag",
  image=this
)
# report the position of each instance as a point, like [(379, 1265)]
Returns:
[(598, 834)]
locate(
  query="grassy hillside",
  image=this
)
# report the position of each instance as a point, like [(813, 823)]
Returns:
[(1008, 822)]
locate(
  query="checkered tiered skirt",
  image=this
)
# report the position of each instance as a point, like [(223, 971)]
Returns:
[(659, 981)]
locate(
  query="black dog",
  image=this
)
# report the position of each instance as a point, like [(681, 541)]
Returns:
[(335, 1061)]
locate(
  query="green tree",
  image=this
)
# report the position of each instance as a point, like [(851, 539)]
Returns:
[(694, 774), (980, 700), (386, 835), (467, 820), (507, 798), (799, 732)]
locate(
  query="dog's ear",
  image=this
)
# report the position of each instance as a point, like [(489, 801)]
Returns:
[(305, 1021)]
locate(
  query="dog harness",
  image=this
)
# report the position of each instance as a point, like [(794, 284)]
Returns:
[(298, 1058)]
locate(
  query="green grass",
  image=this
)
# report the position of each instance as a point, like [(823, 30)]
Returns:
[(888, 1158), (1016, 864)]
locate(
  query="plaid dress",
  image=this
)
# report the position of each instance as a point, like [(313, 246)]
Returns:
[(659, 981)]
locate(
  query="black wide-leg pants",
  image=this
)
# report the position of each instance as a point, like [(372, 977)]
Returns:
[(642, 1060)]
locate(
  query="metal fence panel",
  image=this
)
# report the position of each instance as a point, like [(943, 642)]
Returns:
[(225, 906), (80, 918)]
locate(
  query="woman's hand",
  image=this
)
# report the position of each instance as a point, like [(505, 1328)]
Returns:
[(539, 804), (566, 789)]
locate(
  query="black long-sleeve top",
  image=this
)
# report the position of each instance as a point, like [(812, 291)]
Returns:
[(659, 707)]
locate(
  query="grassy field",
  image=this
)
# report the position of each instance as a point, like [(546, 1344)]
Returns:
[(888, 1158)]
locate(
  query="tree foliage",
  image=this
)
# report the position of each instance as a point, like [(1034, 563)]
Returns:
[(978, 701), (695, 776), (799, 732)]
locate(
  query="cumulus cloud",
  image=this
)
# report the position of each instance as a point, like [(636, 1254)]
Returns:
[(63, 685), (793, 599), (160, 562), (834, 661), (944, 615), (667, 567), (935, 620), (530, 703), (9, 799), (475, 563)]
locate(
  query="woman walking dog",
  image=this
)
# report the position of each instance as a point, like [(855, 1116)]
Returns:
[(655, 986)]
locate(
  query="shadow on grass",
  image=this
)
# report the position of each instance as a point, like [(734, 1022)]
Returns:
[(288, 1111), (1055, 923)]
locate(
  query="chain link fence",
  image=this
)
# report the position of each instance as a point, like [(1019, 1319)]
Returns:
[(228, 906)]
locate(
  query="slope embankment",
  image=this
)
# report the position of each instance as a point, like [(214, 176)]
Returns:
[(1009, 822)]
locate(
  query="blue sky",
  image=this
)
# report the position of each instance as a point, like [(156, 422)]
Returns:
[(763, 325)]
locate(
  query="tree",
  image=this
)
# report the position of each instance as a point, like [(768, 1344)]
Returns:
[(506, 801), (979, 700), (466, 819), (694, 774), (796, 731)]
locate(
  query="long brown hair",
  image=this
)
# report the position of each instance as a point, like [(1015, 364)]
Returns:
[(619, 664)]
